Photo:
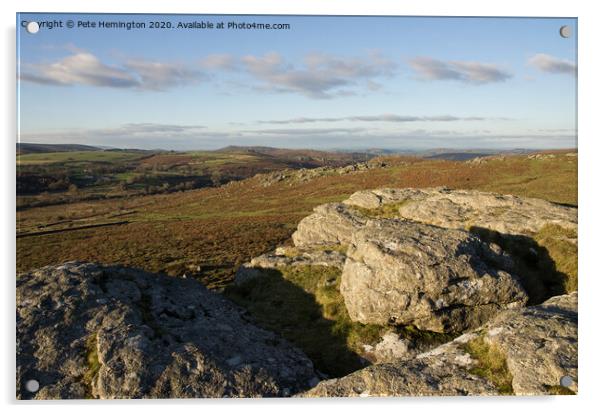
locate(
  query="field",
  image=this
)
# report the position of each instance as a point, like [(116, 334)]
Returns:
[(47, 178), (207, 233)]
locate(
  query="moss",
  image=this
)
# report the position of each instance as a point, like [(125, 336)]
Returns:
[(93, 364), (384, 211), (490, 364), (342, 248)]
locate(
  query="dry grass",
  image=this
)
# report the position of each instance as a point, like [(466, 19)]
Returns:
[(217, 229)]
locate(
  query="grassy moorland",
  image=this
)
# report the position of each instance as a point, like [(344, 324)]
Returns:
[(207, 233), (51, 178)]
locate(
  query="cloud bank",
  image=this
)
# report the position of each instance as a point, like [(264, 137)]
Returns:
[(322, 76), (197, 137), (319, 76), (379, 118), (550, 64), (83, 68), (428, 68)]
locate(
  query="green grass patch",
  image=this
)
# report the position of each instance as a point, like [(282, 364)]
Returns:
[(93, 363), (556, 240), (490, 364), (304, 305), (384, 211), (78, 156)]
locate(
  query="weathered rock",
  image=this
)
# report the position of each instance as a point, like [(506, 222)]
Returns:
[(390, 348), (376, 198), (443, 372), (87, 330), (295, 176), (462, 209), (289, 257), (542, 156), (329, 224), (539, 343), (458, 209), (437, 279)]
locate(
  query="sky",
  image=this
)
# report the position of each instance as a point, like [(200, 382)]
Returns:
[(323, 82)]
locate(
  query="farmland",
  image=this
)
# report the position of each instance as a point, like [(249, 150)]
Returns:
[(51, 178)]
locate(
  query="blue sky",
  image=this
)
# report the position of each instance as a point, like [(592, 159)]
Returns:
[(327, 82)]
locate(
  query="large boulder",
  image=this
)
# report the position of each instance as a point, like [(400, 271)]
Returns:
[(538, 346), (88, 330), (444, 280), (458, 209), (507, 214), (329, 224)]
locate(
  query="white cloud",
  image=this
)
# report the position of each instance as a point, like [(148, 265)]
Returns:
[(186, 137), (476, 73), (219, 61), (551, 64), (387, 117), (321, 77), (306, 131), (160, 76), (83, 68)]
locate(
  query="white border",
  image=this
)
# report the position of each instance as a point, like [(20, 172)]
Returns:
[(590, 156)]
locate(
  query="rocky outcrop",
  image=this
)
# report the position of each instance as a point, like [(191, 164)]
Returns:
[(292, 176), (443, 372), (413, 267), (463, 209), (403, 272), (329, 224), (87, 330), (456, 209), (539, 345)]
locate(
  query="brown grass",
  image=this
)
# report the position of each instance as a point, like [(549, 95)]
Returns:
[(207, 233)]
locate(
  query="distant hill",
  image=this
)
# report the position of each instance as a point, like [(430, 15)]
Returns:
[(25, 148), (457, 156), (297, 154)]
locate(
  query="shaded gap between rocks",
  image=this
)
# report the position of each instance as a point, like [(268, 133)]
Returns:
[(533, 264)]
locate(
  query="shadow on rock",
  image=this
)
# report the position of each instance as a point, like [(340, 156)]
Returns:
[(279, 305), (532, 263)]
